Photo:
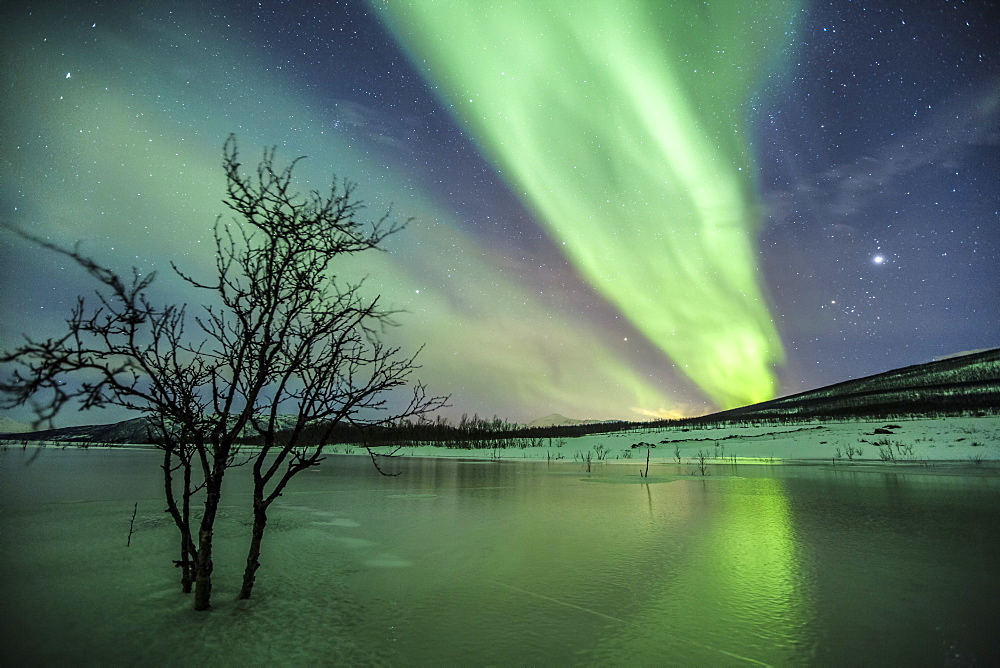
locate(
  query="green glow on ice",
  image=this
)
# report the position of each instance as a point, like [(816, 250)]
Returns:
[(623, 125), (741, 567)]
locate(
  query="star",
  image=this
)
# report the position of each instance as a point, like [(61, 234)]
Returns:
[(685, 233)]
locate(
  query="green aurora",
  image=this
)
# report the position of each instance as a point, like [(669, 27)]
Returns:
[(124, 155), (625, 130)]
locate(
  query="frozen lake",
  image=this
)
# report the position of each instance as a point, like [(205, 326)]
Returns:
[(470, 563)]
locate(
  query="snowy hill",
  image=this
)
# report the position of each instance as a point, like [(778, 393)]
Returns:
[(8, 426), (950, 386), (953, 385), (557, 420), (135, 430)]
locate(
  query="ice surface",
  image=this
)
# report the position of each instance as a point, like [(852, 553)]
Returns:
[(525, 562)]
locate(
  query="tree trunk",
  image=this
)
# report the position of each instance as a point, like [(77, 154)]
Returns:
[(186, 551), (182, 515), (253, 556), (185, 564), (203, 561), (203, 575)]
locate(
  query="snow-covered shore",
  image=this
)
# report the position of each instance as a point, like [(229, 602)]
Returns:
[(968, 440), (961, 440)]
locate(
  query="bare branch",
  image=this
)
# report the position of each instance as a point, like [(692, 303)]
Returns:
[(280, 349)]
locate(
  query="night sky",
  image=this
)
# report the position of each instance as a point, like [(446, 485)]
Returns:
[(621, 209)]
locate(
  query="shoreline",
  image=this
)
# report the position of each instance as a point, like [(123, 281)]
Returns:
[(954, 444)]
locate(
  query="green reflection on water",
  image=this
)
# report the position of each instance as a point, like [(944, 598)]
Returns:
[(690, 571), (739, 592)]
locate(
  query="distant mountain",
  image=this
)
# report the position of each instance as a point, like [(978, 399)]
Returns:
[(952, 385), (8, 426), (135, 430), (129, 431), (949, 386), (557, 420)]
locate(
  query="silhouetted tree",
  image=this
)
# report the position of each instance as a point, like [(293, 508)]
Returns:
[(282, 348)]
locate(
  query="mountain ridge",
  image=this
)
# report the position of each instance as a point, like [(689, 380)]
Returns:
[(558, 420), (952, 385)]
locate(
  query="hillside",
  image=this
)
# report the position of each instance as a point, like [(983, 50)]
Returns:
[(557, 420), (955, 385), (135, 430), (8, 426), (129, 431), (951, 386)]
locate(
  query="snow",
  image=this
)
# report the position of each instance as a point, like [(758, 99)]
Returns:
[(921, 440)]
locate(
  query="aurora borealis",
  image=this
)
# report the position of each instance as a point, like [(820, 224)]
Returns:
[(621, 210), (637, 164)]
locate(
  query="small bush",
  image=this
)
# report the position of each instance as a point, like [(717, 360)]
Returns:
[(702, 466)]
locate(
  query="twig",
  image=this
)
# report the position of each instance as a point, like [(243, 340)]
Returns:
[(131, 524), (375, 462)]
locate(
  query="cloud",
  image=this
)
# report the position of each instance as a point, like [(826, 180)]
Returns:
[(948, 132), (375, 125)]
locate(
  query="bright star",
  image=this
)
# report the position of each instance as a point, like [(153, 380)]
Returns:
[(878, 259)]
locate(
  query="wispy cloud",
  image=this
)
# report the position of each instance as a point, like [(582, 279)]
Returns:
[(843, 190)]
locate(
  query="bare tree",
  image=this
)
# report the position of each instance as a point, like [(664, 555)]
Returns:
[(282, 346), (319, 347)]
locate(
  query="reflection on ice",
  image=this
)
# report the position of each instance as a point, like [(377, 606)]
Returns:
[(459, 563)]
